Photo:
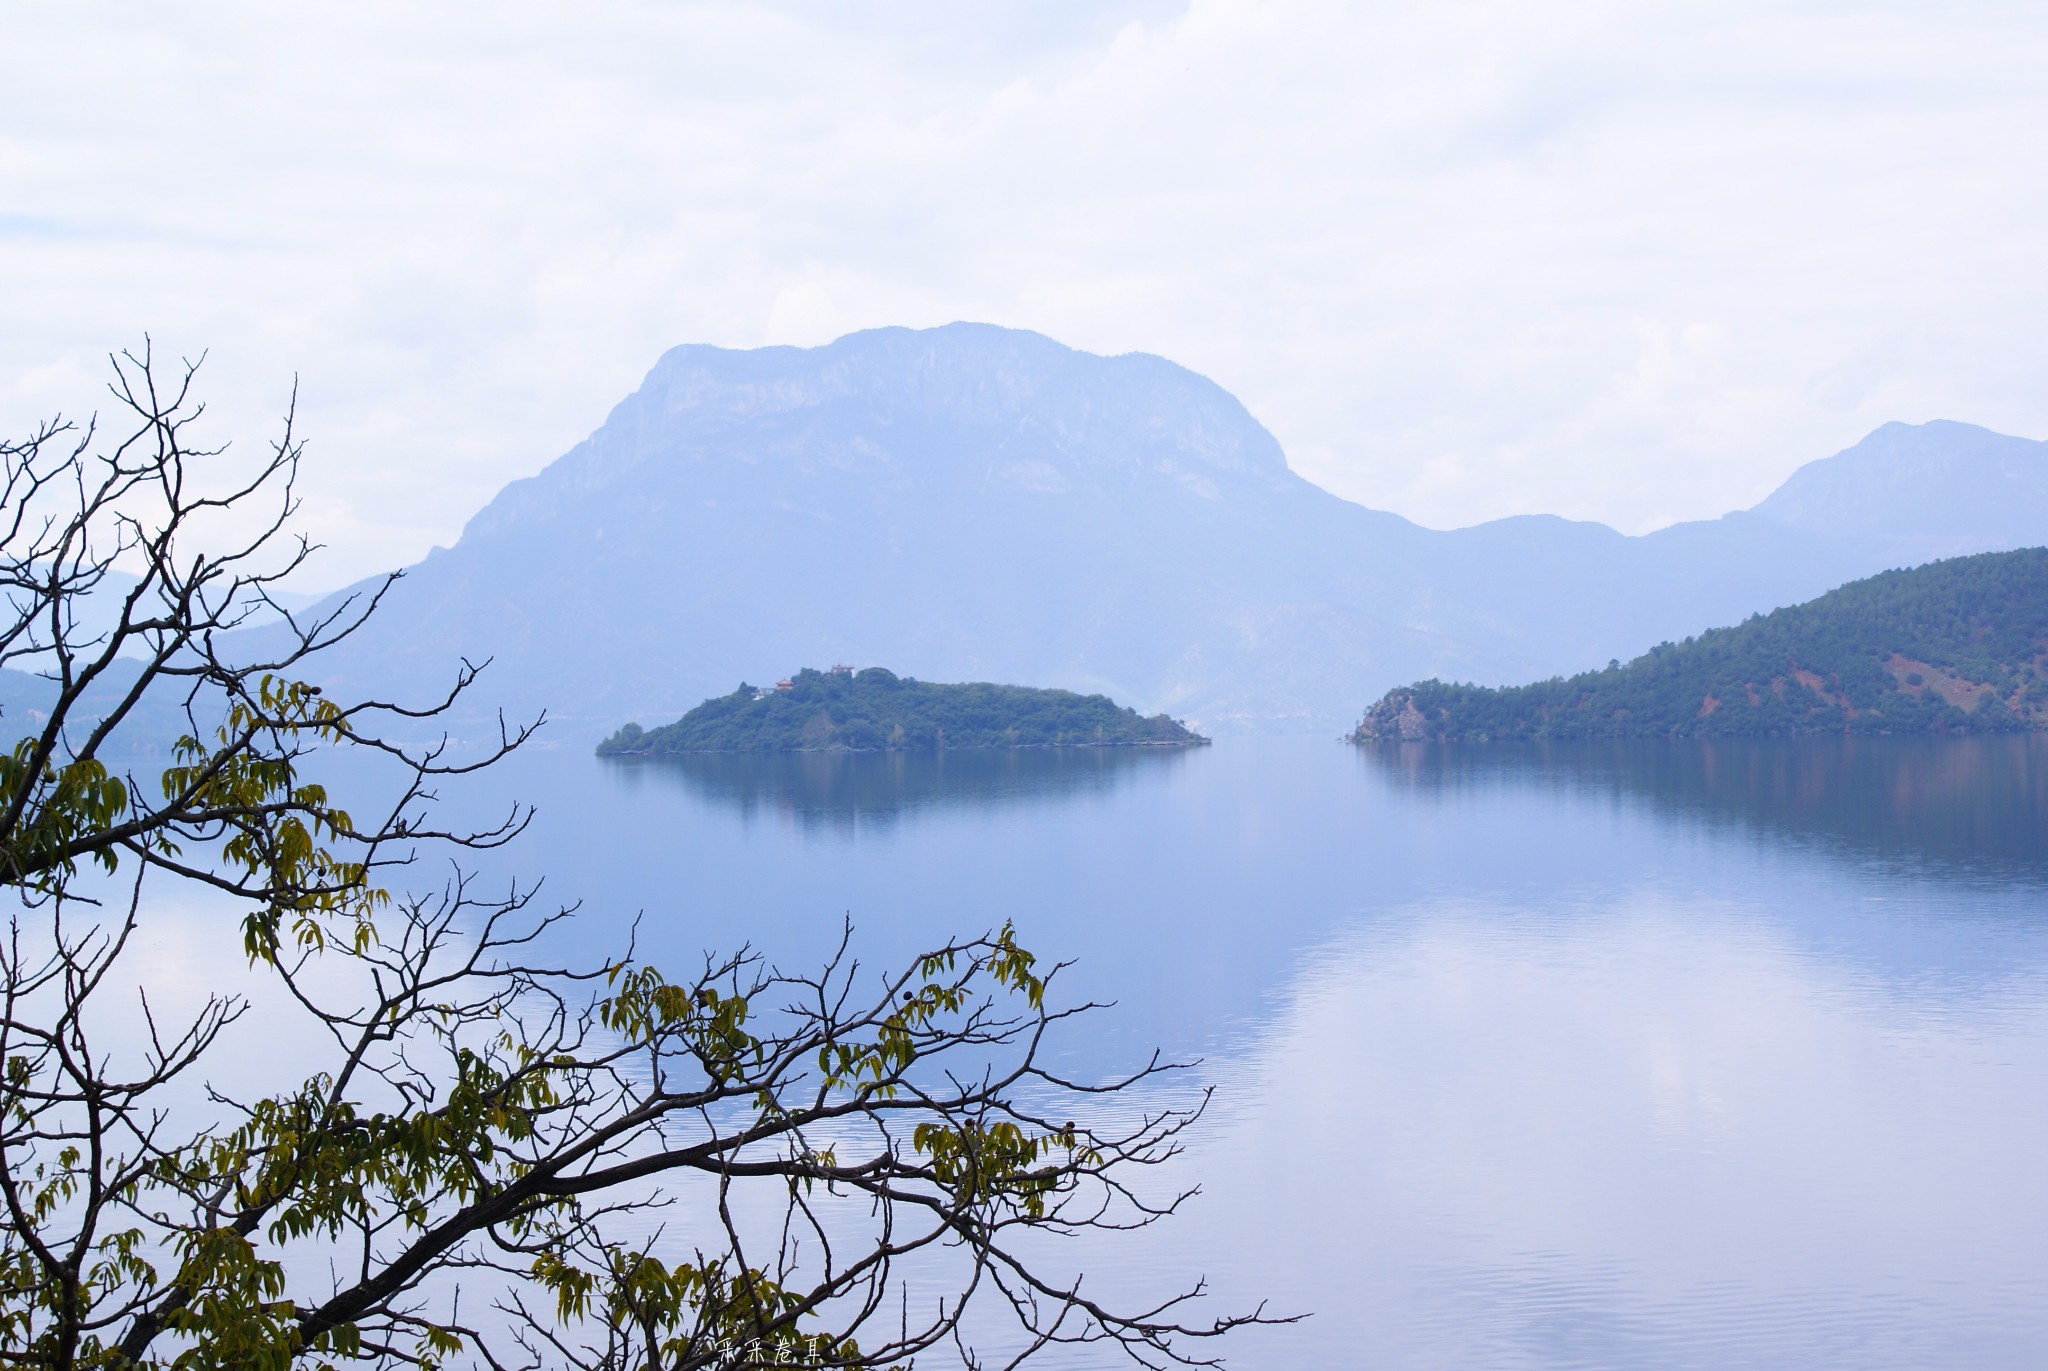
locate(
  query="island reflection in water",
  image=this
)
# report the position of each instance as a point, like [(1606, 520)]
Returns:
[(1976, 806), (848, 791)]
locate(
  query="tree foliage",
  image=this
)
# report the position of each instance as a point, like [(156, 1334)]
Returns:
[(1959, 646), (460, 1152), (877, 710)]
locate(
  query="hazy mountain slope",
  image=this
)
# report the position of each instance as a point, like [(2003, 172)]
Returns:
[(1922, 491), (156, 722), (1579, 593), (1958, 646), (968, 503), (975, 503)]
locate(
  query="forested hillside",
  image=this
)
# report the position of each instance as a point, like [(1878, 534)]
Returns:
[(875, 709), (1953, 647)]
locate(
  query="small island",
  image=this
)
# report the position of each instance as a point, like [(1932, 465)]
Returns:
[(1959, 646), (875, 710)]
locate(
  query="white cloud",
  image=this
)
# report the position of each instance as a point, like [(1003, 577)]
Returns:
[(1617, 261)]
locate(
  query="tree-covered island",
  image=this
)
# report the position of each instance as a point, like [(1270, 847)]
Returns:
[(1952, 647), (842, 710)]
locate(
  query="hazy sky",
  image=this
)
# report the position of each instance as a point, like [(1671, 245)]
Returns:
[(1623, 261)]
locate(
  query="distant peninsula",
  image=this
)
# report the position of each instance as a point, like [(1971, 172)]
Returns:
[(1959, 646), (875, 710)]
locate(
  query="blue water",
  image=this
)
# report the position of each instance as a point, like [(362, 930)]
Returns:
[(1676, 1055)]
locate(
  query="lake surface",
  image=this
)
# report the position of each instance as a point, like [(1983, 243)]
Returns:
[(1688, 1055)]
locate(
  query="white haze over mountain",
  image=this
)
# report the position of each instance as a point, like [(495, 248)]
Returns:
[(971, 502)]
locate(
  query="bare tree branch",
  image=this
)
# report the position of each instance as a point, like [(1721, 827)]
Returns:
[(744, 1167)]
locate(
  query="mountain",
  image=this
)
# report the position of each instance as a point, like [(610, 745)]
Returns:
[(978, 503), (153, 725), (1922, 491), (1957, 646), (843, 710)]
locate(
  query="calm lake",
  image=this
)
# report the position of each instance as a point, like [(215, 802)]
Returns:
[(1665, 1055)]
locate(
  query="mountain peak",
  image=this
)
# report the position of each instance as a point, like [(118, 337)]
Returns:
[(905, 408), (1924, 491)]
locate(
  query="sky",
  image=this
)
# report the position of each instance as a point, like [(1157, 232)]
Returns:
[(1617, 261)]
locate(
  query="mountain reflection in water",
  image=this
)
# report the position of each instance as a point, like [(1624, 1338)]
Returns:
[(850, 790), (1971, 806)]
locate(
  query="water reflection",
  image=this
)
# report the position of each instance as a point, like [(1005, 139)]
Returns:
[(1630, 1131), (845, 791), (1974, 806), (1689, 1055)]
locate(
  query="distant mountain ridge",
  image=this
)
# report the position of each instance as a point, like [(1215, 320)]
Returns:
[(1922, 492), (1958, 646), (978, 503)]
